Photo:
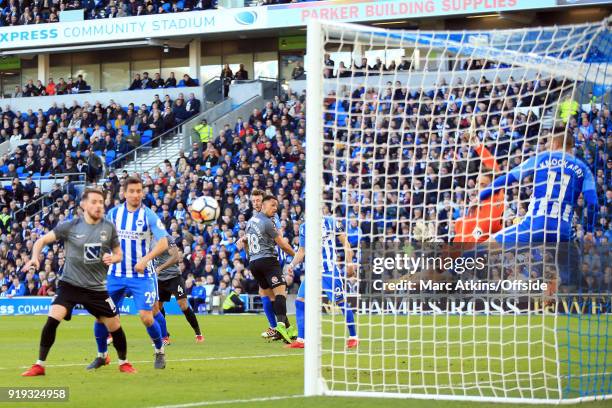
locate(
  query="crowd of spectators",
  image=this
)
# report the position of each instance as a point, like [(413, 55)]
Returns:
[(24, 12), (77, 139), (52, 88), (63, 87), (400, 156)]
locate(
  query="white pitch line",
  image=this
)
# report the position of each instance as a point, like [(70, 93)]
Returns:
[(174, 360), (222, 402)]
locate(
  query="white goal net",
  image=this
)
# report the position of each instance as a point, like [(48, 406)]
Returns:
[(422, 147)]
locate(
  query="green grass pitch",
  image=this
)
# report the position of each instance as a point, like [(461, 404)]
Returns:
[(234, 367)]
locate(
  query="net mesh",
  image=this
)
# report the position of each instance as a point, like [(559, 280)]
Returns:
[(407, 149)]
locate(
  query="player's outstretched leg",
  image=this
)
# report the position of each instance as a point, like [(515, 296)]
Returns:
[(191, 319), (280, 310), (47, 338), (101, 333)]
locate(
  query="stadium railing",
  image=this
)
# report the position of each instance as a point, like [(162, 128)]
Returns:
[(44, 182)]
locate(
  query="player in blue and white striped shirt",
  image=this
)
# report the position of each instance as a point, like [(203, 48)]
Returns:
[(332, 280), (137, 226)]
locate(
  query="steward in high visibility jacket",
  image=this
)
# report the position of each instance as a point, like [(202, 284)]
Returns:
[(233, 303), (205, 131)]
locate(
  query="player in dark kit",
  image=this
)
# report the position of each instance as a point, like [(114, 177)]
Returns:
[(170, 282), (262, 238), (91, 244)]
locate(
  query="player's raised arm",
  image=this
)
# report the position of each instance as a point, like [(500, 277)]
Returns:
[(526, 168), (589, 193)]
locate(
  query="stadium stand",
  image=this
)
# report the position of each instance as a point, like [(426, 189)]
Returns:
[(266, 151)]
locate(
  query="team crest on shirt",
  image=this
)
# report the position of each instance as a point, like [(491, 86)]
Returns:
[(103, 236), (140, 223), (92, 253)]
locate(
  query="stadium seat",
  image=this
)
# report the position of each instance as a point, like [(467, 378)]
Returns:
[(146, 137), (167, 7), (181, 84), (110, 156), (90, 131), (126, 129), (3, 169), (289, 167), (180, 4), (35, 175)]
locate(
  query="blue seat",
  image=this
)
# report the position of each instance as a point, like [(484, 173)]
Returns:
[(98, 152), (181, 84), (110, 156), (197, 82), (180, 4), (167, 7), (126, 129), (289, 166), (20, 170), (3, 169), (113, 124), (24, 116), (35, 175), (90, 130)]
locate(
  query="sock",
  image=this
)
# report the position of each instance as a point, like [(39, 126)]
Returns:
[(268, 308), (120, 343), (101, 333), (299, 317), (280, 309), (155, 333), (161, 320), (40, 363), (47, 338), (163, 311), (193, 321), (349, 317)]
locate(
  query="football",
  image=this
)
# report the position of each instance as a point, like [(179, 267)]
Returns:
[(205, 209)]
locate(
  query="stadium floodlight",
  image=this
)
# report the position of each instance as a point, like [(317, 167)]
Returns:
[(395, 154)]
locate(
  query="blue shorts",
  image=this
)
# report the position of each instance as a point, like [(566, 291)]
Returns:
[(331, 285), (143, 290), (534, 229)]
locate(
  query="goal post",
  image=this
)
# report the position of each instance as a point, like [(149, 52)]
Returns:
[(401, 158)]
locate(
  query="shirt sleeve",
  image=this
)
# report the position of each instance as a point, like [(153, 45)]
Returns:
[(519, 172), (62, 229), (156, 225)]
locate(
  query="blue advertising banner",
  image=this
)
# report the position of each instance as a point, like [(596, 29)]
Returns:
[(246, 19), (39, 305)]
